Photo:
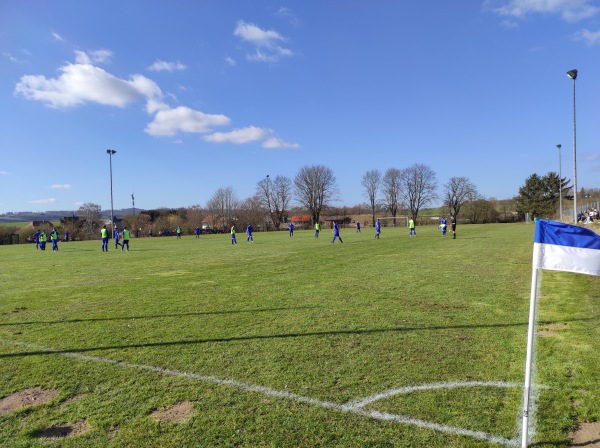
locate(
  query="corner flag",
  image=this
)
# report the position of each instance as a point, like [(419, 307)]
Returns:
[(565, 247), (557, 247)]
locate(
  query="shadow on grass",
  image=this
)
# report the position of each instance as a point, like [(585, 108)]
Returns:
[(156, 316), (271, 336)]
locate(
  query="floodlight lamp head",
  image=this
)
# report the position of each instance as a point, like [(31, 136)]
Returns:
[(559, 146), (111, 151), (572, 74)]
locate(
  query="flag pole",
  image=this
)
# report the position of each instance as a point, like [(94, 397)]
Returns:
[(528, 361)]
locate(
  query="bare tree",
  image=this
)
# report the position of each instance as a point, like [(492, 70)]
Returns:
[(252, 212), (457, 192), (275, 196), (92, 216), (391, 191), (224, 202), (419, 186), (371, 181), (194, 216), (315, 188)]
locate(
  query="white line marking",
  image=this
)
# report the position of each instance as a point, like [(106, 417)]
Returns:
[(355, 407), (406, 390)]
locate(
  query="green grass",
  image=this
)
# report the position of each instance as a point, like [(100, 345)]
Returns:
[(331, 322), (19, 224)]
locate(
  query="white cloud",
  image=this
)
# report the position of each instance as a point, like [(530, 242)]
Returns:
[(60, 186), (287, 13), (3, 173), (11, 58), (250, 134), (569, 10), (43, 201), (57, 37), (101, 55), (591, 157), (276, 143), (168, 121), (589, 37), (98, 56), (230, 60), (238, 136), (164, 66), (267, 43), (82, 83)]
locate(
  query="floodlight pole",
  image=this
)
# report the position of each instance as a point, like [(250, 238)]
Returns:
[(559, 181), (268, 182), (110, 153), (573, 75)]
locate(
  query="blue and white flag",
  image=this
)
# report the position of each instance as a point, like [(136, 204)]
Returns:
[(564, 247)]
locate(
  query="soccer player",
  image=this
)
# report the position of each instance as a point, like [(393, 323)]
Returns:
[(126, 235), (377, 228), (249, 233), (336, 233), (317, 230), (233, 240), (104, 235), (453, 224), (197, 231), (43, 238), (36, 237), (411, 225), (54, 239), (291, 228), (117, 244), (443, 226), (357, 227), (178, 232)]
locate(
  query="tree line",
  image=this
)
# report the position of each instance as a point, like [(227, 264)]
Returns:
[(314, 191)]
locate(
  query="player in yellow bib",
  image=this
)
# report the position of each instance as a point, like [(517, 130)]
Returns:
[(411, 226), (104, 235), (126, 235)]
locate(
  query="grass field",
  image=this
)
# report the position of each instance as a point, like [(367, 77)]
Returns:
[(19, 224), (296, 342)]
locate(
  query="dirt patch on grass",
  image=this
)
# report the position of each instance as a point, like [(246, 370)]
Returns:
[(176, 413), (549, 330), (62, 431), (588, 435), (26, 397), (545, 333)]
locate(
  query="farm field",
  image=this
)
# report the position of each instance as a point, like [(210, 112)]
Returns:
[(294, 342)]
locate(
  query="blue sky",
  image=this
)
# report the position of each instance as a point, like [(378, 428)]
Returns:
[(198, 95)]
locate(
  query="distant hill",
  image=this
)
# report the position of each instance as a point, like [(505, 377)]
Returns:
[(55, 215)]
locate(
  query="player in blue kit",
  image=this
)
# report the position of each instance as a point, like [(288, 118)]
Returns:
[(443, 226), (233, 240), (249, 234), (117, 244), (336, 233), (377, 228)]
